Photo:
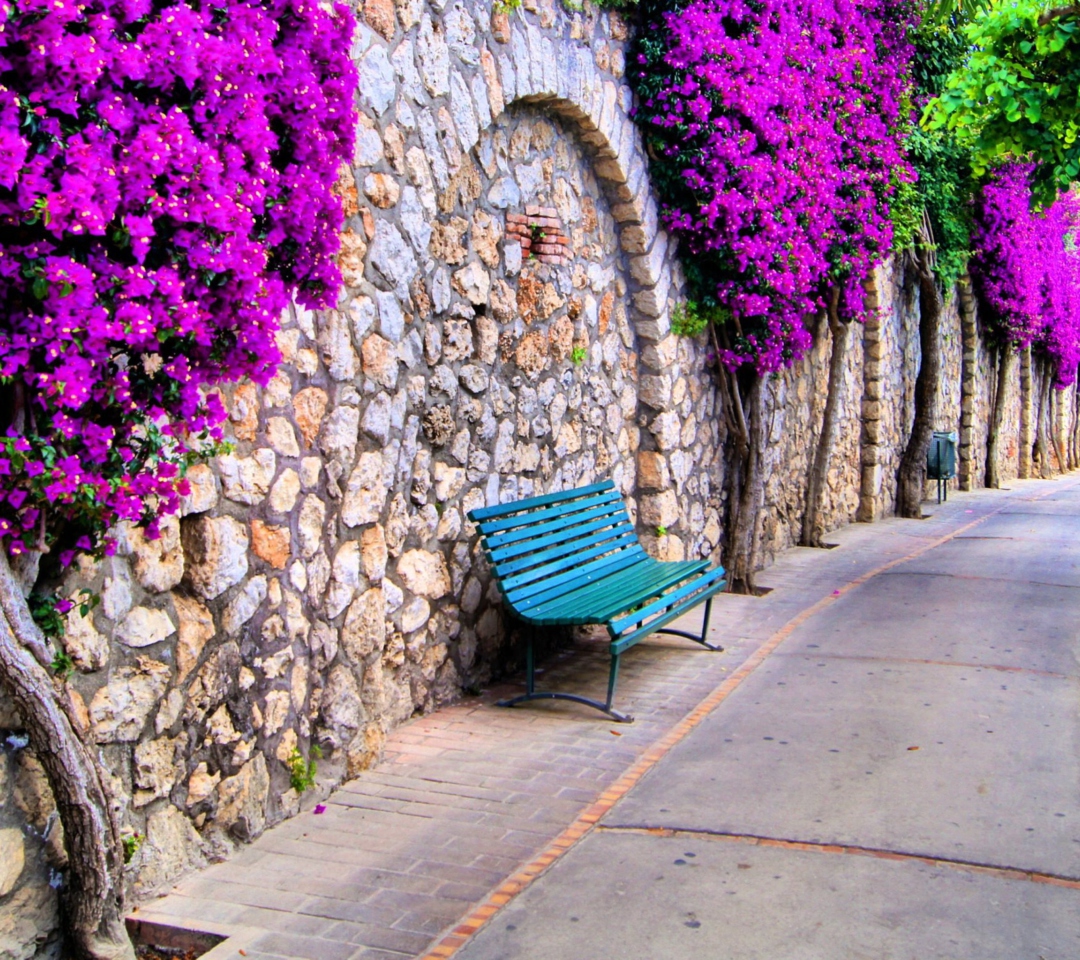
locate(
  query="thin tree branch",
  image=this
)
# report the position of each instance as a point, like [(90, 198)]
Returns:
[(1055, 12)]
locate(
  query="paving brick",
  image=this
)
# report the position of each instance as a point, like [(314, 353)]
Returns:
[(372, 953), (459, 873), (406, 882), (267, 898), (303, 948), (385, 938), (419, 922), (334, 908), (284, 922), (454, 890), (406, 902)]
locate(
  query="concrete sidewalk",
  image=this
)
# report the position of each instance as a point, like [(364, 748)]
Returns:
[(899, 779), (745, 805)]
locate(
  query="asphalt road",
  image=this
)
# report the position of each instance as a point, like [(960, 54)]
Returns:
[(897, 781)]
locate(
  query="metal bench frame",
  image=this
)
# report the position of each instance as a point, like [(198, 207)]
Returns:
[(573, 558)]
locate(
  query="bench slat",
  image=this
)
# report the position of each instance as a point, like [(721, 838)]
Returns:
[(608, 538), (636, 577), (658, 606), (599, 602), (574, 602), (524, 520), (616, 511), (706, 586), (559, 563), (583, 534), (578, 576), (487, 513)]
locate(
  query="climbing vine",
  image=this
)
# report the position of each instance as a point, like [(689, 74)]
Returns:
[(1027, 269), (773, 131), (166, 187)]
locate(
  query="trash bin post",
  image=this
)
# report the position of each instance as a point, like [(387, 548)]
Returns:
[(941, 461)]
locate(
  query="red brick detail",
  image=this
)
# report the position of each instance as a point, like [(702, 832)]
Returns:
[(540, 233)]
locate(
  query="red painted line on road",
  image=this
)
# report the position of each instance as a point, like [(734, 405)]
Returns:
[(585, 823), (878, 853)]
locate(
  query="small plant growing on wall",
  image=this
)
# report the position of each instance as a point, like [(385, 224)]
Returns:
[(131, 842), (302, 772), (689, 319), (578, 355)]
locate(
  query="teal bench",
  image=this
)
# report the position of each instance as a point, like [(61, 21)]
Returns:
[(573, 557)]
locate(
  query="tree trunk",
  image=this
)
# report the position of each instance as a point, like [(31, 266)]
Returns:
[(1074, 429), (1055, 410), (911, 477), (91, 898), (969, 372), (819, 470), (1045, 433), (1006, 365), (1027, 439), (747, 481)]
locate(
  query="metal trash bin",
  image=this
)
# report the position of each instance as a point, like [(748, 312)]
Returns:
[(941, 461)]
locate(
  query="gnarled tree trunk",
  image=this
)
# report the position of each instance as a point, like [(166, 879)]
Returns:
[(746, 481), (819, 469), (1027, 403), (1006, 365), (1046, 439), (91, 897), (911, 477)]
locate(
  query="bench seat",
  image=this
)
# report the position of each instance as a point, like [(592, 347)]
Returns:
[(573, 558)]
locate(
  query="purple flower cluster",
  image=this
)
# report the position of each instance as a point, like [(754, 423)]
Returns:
[(780, 119), (166, 173), (1027, 268)]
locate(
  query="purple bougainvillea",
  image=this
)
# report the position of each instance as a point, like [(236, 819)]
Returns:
[(1027, 268), (166, 174), (773, 127)]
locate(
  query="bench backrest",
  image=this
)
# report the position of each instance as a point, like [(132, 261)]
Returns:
[(557, 541)]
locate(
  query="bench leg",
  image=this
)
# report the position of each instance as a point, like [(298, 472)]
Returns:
[(704, 630), (532, 694)]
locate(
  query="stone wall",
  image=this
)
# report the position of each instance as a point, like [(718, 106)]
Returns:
[(795, 405), (31, 855), (504, 331)]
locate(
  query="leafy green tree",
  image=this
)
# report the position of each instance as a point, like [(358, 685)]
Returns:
[(1017, 96)]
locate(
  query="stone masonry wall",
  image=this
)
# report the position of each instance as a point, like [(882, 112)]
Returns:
[(504, 331)]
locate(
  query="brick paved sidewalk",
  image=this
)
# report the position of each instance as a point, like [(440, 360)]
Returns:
[(467, 795)]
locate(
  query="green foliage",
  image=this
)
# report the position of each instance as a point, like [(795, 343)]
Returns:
[(506, 6), (661, 531), (48, 613), (690, 318), (62, 664), (302, 772), (131, 843), (50, 621), (1017, 96), (940, 12), (945, 185), (578, 355)]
